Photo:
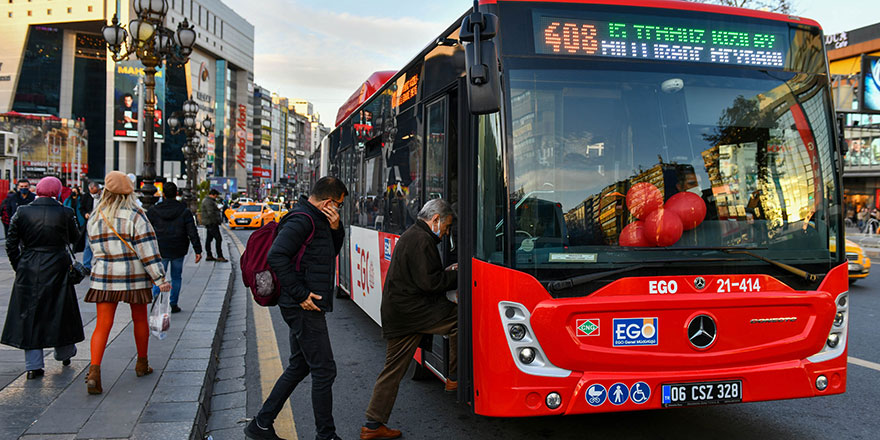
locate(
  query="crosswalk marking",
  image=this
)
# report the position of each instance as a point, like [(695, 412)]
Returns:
[(270, 360), (863, 363)]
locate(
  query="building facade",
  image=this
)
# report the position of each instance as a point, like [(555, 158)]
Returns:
[(54, 64), (856, 91)]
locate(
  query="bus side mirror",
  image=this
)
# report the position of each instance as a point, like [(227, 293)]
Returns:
[(481, 59), (841, 134)]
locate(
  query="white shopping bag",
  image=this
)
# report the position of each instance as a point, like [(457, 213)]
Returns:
[(160, 315)]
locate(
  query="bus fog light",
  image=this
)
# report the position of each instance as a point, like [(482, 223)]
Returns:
[(821, 383), (527, 355), (842, 301), (833, 340), (838, 319), (553, 400), (517, 332)]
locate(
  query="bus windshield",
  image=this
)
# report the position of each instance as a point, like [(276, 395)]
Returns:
[(751, 147)]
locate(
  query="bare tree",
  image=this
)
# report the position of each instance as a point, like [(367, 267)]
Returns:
[(781, 6)]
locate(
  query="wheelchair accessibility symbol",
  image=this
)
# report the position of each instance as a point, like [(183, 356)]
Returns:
[(640, 392), (596, 394)]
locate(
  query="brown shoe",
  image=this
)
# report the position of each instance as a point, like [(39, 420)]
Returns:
[(93, 380), (142, 367), (221, 260), (451, 385), (381, 433)]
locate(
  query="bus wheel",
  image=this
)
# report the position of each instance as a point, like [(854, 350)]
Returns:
[(420, 372)]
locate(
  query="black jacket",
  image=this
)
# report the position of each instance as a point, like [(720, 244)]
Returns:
[(18, 201), (174, 225), (86, 203), (318, 267), (43, 309), (414, 295)]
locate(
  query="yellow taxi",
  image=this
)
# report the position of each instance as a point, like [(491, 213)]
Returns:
[(859, 263), (278, 209), (252, 215)]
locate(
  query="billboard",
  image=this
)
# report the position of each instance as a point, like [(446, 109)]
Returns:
[(202, 69), (125, 101), (870, 102), (225, 185), (48, 145)]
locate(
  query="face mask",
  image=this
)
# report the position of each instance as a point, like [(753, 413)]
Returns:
[(696, 190), (24, 191), (437, 232)]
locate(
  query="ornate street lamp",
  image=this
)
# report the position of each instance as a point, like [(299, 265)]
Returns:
[(152, 43), (184, 121)]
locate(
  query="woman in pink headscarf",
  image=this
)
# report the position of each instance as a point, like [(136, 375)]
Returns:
[(43, 310)]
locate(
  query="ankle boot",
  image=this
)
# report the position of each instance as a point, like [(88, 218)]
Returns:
[(142, 367), (93, 380)]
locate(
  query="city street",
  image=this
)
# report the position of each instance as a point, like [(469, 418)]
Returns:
[(423, 410)]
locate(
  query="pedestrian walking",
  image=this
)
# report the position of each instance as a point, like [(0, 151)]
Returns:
[(6, 211), (175, 230), (413, 304), (23, 196), (211, 218), (43, 309), (73, 203), (126, 266), (306, 296), (87, 206)]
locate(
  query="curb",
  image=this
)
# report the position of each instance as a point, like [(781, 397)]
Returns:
[(200, 424)]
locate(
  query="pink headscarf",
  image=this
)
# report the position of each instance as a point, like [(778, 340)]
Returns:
[(49, 187)]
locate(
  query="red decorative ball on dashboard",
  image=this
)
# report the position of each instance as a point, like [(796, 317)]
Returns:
[(691, 209), (642, 199), (633, 235), (663, 227)]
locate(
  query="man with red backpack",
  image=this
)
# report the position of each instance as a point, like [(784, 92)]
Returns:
[(307, 279)]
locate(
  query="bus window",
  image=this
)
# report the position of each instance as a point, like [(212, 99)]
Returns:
[(402, 173), (435, 137)]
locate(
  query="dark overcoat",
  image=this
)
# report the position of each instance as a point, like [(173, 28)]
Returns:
[(43, 310), (414, 295)]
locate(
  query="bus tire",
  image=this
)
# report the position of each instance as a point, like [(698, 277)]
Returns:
[(420, 372)]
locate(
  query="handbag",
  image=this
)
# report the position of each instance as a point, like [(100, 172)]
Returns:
[(77, 272)]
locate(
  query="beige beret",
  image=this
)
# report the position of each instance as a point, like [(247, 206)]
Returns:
[(118, 183)]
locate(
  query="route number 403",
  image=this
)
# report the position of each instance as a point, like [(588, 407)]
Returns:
[(743, 285)]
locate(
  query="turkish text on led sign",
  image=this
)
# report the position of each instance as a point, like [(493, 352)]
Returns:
[(676, 42)]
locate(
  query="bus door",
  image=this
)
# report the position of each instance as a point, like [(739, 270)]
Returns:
[(347, 171), (441, 181)]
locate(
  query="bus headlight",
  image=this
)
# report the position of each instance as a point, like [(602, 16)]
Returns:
[(838, 319), (526, 351), (833, 340), (517, 332), (527, 355)]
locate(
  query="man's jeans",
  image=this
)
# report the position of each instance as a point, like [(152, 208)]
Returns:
[(87, 253), (33, 359), (310, 353), (176, 277)]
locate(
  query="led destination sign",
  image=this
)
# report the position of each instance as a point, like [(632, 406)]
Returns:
[(674, 39)]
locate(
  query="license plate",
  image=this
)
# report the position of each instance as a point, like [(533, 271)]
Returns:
[(243, 221), (702, 393)]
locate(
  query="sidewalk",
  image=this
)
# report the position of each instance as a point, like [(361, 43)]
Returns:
[(171, 403)]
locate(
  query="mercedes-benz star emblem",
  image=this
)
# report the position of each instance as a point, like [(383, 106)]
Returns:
[(699, 283), (702, 331)]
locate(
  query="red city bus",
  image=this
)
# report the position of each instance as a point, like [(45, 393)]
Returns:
[(648, 198)]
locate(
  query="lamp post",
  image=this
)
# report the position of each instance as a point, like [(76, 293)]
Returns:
[(152, 43), (184, 121)]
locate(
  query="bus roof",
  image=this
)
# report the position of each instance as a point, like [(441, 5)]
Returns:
[(682, 5), (363, 93)]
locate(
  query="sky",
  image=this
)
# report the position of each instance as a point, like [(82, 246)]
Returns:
[(324, 50)]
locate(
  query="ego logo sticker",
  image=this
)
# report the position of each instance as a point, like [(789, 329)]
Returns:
[(635, 332), (587, 327)]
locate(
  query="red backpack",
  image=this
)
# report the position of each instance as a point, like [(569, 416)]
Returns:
[(255, 270)]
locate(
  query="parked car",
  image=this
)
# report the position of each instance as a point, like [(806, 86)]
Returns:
[(252, 215)]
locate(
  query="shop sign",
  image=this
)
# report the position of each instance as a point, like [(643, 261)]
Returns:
[(837, 40)]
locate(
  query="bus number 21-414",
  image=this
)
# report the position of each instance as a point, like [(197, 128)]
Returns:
[(743, 285)]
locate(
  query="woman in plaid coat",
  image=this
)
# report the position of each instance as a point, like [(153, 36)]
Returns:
[(125, 266)]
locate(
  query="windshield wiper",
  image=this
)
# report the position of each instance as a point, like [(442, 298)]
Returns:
[(801, 273), (559, 285)]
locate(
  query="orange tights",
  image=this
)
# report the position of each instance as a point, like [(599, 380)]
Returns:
[(106, 312)]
